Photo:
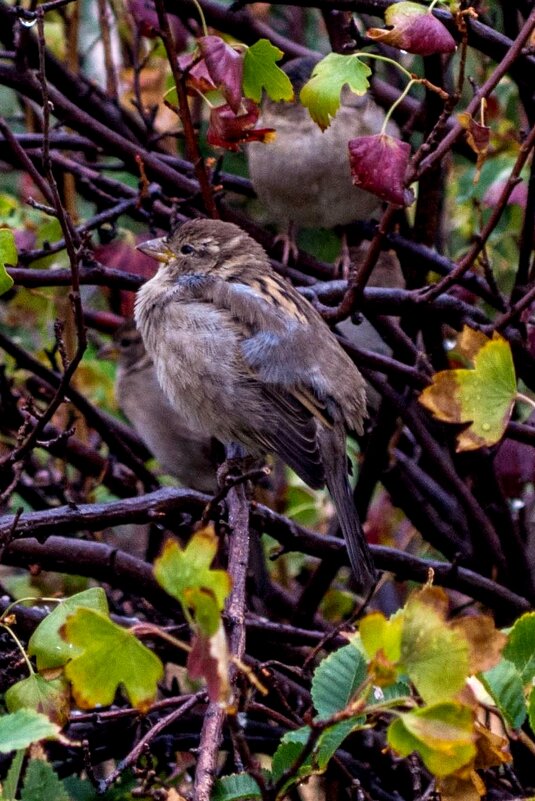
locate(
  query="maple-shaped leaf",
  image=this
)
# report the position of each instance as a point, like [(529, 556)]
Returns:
[(225, 67), (483, 396), (8, 256), (186, 575), (260, 71), (379, 164), (108, 656), (321, 94), (414, 29), (229, 130), (209, 660)]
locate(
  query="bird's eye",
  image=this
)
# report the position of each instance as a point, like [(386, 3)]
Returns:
[(186, 249), (124, 343)]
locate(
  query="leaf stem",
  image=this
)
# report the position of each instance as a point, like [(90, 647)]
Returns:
[(202, 17), (525, 399), (20, 647)]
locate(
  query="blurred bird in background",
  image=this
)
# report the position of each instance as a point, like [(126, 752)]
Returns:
[(303, 176)]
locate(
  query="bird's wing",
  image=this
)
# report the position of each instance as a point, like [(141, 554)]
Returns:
[(274, 326)]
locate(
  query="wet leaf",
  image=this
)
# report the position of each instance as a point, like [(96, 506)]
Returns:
[(483, 396), (321, 94), (379, 165), (413, 28)]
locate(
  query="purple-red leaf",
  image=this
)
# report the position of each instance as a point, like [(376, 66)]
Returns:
[(146, 21), (518, 197), (198, 78), (413, 28), (379, 164), (225, 67), (229, 130)]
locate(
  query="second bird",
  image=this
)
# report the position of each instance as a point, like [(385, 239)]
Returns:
[(244, 358)]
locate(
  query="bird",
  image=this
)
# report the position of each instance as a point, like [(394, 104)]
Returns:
[(191, 458), (302, 177), (244, 358)]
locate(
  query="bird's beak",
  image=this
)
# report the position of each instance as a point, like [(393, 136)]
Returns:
[(157, 248)]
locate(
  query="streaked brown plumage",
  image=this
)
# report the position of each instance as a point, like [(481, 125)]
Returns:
[(243, 357)]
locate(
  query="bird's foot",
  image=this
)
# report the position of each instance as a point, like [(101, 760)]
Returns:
[(342, 265), (289, 246)]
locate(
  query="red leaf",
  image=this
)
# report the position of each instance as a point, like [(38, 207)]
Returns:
[(228, 129), (208, 660), (414, 29), (518, 197), (379, 164), (197, 76), (225, 67)]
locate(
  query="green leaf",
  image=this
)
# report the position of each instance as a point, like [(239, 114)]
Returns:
[(442, 735), (109, 656), (531, 709), (504, 684), (336, 679), (483, 396), (260, 71), (287, 753), (235, 787), (9, 786), (41, 783), (435, 657), (186, 575), (24, 727), (35, 692), (520, 647), (46, 643), (321, 95), (8, 255), (331, 739)]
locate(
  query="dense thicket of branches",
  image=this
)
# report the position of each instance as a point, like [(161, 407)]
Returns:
[(69, 470)]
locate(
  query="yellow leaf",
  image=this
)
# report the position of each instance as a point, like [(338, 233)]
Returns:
[(482, 397)]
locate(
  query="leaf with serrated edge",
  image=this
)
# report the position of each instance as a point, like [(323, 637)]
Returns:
[(520, 648), (504, 684), (336, 679), (321, 94), (24, 727)]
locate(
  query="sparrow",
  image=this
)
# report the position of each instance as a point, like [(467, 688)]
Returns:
[(303, 176), (191, 458), (244, 358)]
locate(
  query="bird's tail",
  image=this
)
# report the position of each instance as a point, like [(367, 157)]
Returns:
[(360, 558)]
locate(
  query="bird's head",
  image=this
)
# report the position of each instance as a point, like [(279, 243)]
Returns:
[(203, 246)]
